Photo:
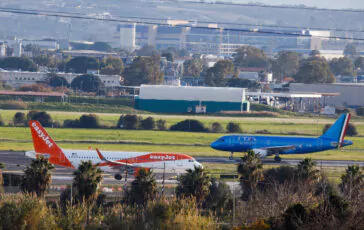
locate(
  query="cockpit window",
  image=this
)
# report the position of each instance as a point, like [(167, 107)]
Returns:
[(190, 160), (221, 140)]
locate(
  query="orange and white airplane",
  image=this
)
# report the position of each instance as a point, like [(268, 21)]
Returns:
[(108, 161)]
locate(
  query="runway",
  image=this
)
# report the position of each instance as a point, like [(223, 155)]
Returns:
[(16, 162)]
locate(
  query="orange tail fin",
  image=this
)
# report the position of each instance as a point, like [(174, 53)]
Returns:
[(44, 144)]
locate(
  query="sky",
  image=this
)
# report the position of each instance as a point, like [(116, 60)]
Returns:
[(337, 4)]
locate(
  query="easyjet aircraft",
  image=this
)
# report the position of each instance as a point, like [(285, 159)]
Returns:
[(108, 161)]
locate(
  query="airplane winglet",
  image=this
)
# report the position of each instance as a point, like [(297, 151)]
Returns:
[(100, 155)]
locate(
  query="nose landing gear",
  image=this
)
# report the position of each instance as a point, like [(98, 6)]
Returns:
[(231, 156)]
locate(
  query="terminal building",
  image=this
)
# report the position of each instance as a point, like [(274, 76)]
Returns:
[(185, 99)]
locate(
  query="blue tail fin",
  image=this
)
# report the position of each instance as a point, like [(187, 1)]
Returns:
[(338, 129)]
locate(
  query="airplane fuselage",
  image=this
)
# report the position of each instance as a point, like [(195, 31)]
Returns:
[(300, 145)]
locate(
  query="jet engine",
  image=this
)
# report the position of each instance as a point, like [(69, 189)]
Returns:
[(261, 152)]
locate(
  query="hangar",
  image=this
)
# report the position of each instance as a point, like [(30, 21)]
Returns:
[(187, 99)]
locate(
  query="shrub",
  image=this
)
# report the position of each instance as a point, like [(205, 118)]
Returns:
[(350, 131), (217, 127), (233, 128), (189, 125), (161, 124), (1, 121), (31, 113), (148, 123), (35, 88), (19, 118), (13, 105), (360, 111), (71, 123), (128, 122), (43, 117), (89, 121)]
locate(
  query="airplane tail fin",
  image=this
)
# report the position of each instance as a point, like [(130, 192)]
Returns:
[(338, 130), (46, 146)]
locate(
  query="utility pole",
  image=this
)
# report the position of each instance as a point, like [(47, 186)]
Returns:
[(164, 173)]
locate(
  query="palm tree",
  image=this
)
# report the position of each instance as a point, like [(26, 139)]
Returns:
[(194, 183), (2, 166), (86, 181), (37, 176), (352, 181), (306, 170), (250, 170), (143, 188)]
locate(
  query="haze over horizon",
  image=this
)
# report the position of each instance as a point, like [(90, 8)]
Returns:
[(354, 4)]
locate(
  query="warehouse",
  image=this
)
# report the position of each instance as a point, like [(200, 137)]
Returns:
[(186, 99)]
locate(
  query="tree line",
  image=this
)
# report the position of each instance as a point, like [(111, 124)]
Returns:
[(286, 197)]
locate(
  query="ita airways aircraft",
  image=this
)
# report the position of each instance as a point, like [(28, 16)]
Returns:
[(275, 145), (108, 161)]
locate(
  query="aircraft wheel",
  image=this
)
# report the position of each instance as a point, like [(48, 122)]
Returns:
[(277, 159), (118, 177)]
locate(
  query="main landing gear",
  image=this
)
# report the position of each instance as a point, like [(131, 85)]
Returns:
[(231, 156), (118, 177), (277, 158)]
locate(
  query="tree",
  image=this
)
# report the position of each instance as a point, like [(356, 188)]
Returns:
[(188, 125), (42, 60), (232, 127), (148, 123), (342, 66), (242, 83), (143, 188), (315, 53), (306, 170), (250, 57), (217, 127), (2, 123), (359, 63), (250, 171), (144, 70), (147, 51), (217, 74), (352, 182), (192, 67), (101, 46), (82, 64), (128, 122), (43, 117), (19, 118), (87, 179), (315, 70), (112, 66), (56, 81), (2, 166), (34, 49), (161, 124), (286, 64), (89, 121), (195, 182), (169, 56), (87, 83), (351, 51), (37, 176), (18, 63), (220, 198)]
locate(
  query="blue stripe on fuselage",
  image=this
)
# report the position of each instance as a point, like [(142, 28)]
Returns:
[(242, 143)]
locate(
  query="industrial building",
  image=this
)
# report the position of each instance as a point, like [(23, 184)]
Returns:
[(185, 99), (350, 94)]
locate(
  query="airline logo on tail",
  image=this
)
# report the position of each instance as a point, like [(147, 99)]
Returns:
[(344, 128), (44, 137)]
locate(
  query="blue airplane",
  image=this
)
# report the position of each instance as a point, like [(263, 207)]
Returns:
[(275, 145)]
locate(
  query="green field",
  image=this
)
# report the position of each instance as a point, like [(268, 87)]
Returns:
[(279, 125)]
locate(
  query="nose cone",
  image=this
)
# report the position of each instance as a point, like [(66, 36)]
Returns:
[(198, 165), (215, 145)]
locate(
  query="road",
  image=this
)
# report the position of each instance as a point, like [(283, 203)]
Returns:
[(16, 162)]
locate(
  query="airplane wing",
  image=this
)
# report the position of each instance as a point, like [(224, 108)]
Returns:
[(114, 163), (279, 149)]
